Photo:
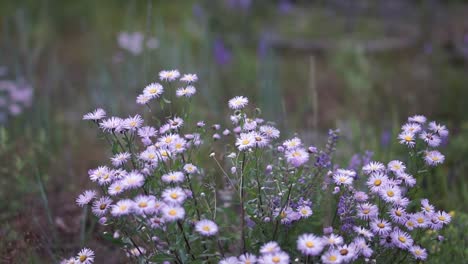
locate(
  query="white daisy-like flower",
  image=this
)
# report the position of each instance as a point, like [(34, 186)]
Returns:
[(426, 207), (169, 75), (153, 90), (247, 258), (238, 102), (245, 141), (411, 128), (144, 204), (434, 158), (143, 99), (331, 257), (396, 166), (342, 179), (112, 124), (173, 213), (407, 138), (101, 206), (310, 245), (173, 177), (96, 115), (189, 78), (333, 240), (174, 195), (398, 215), (363, 232), (122, 207), (270, 131), (418, 252), (441, 130), (270, 247), (401, 239), (116, 188), (376, 182), (348, 252), (120, 158), (380, 226), (133, 180), (367, 211), (261, 141), (292, 143), (279, 257), (85, 256), (132, 123), (229, 260), (86, 197), (190, 168), (432, 140), (418, 119), (297, 157), (304, 211), (176, 123), (373, 167), (206, 227), (390, 193), (188, 91)]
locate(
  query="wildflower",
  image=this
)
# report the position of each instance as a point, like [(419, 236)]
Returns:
[(85, 256), (133, 180), (270, 132), (396, 166), (401, 239), (86, 197), (156, 222), (206, 227), (390, 193), (189, 78), (304, 211), (173, 213), (433, 158), (333, 240), (421, 220), (153, 90), (144, 205), (443, 217), (362, 247), (245, 141), (122, 207), (292, 143), (431, 139), (176, 122), (247, 258), (111, 124), (101, 206), (188, 91), (190, 168), (367, 211), (279, 257), (249, 124), (310, 245), (173, 177), (96, 115), (331, 257), (132, 123), (409, 180), (418, 252), (120, 158), (360, 196), (174, 195), (143, 99), (297, 157), (418, 119), (270, 247), (376, 182), (410, 224), (169, 75), (398, 215), (407, 138), (342, 179), (238, 102), (426, 207), (260, 140), (441, 130), (347, 252), (116, 188), (147, 132), (412, 128), (373, 167), (380, 226)]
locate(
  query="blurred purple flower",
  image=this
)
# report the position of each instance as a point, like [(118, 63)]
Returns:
[(285, 6), (221, 53), (385, 138), (240, 4), (132, 42)]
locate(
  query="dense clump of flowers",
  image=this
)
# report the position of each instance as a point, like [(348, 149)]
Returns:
[(257, 203)]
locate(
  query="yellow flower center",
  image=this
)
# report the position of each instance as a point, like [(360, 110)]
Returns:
[(366, 211), (342, 179), (377, 182), (103, 206), (410, 224), (381, 225), (142, 204), (420, 220), (276, 259), (398, 213), (408, 138), (245, 142), (174, 195), (418, 252), (332, 258), (151, 156), (402, 239), (344, 252), (83, 258), (123, 207), (304, 211), (296, 154), (390, 193), (206, 228), (283, 214), (441, 218), (309, 244), (172, 212)]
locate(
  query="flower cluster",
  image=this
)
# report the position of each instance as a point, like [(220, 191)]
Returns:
[(14, 98), (85, 256), (260, 195)]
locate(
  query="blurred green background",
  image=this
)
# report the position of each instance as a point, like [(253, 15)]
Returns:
[(361, 66)]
